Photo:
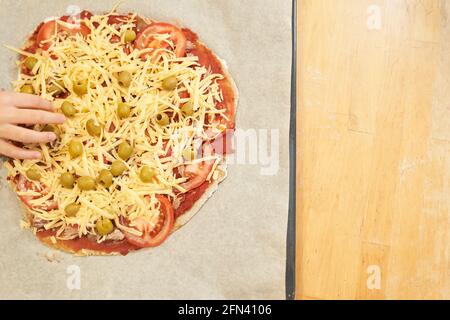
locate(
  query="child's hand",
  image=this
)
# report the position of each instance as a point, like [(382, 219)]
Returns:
[(19, 108)]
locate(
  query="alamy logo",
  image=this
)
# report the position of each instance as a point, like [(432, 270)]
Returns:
[(374, 17), (74, 14), (256, 147), (73, 280), (374, 277), (253, 147)]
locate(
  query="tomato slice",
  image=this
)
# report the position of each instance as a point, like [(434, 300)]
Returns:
[(49, 29), (154, 236), (23, 184), (146, 38), (197, 173), (140, 24)]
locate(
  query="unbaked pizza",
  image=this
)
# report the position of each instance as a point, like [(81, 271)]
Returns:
[(148, 111)]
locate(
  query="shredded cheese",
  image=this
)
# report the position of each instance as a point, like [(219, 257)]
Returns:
[(98, 60)]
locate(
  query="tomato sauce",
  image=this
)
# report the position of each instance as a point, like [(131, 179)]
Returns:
[(209, 60), (189, 198), (123, 246)]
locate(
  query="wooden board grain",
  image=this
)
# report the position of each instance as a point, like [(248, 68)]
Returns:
[(373, 149)]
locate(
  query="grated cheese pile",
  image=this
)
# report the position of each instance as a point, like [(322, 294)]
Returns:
[(99, 61)]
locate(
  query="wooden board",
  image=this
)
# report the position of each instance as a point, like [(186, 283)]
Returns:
[(373, 149)]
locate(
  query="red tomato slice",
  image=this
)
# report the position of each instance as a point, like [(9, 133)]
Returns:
[(146, 38), (23, 184), (140, 24), (198, 172), (49, 29), (154, 236)]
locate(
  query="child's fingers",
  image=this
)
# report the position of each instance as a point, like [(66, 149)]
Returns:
[(23, 100), (9, 150), (22, 116), (19, 134)]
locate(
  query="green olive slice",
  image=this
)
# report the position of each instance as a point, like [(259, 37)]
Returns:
[(80, 87), (170, 83), (67, 180), (68, 109), (72, 209), (188, 109), (30, 63), (123, 110), (118, 168), (125, 78), (162, 119), (129, 36), (125, 150), (27, 89), (33, 174), (57, 88), (75, 149), (105, 178), (93, 129), (147, 174), (86, 183), (104, 226)]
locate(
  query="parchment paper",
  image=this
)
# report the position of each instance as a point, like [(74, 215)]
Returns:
[(234, 248)]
